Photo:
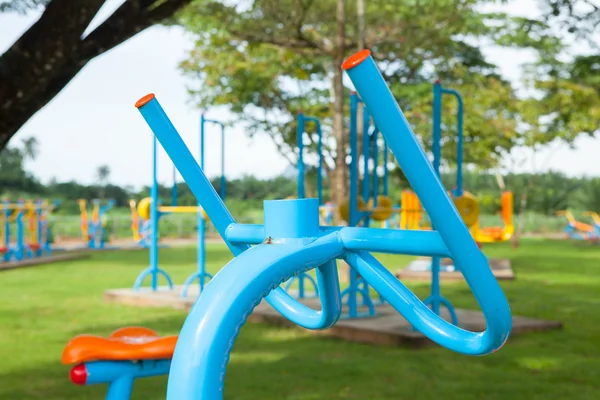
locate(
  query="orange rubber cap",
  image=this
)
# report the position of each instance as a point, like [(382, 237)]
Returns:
[(356, 59), (144, 100)]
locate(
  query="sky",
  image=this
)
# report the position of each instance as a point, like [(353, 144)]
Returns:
[(93, 122)]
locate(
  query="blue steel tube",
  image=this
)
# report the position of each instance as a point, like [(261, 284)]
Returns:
[(385, 169), (354, 214), (369, 82), (374, 138), (300, 144), (321, 158), (174, 188), (187, 166), (154, 218), (222, 184), (202, 189), (459, 139), (366, 150), (434, 297), (201, 248)]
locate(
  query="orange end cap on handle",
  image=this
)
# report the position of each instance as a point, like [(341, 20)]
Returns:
[(144, 100), (356, 59)]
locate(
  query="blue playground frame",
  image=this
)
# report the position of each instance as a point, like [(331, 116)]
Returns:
[(291, 242)]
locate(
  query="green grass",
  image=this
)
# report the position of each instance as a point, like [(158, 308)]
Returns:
[(42, 308)]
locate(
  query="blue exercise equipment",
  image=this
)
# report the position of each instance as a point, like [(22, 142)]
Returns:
[(291, 242)]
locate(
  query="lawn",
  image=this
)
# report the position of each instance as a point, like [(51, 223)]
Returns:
[(42, 308)]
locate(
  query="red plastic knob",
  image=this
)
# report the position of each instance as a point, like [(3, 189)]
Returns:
[(79, 374)]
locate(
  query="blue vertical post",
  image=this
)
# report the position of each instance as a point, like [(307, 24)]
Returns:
[(320, 170), (458, 191), (300, 144), (222, 184), (174, 188), (154, 217), (437, 156), (354, 215), (459, 147), (366, 189), (20, 253), (38, 216), (386, 151), (201, 257), (374, 138)]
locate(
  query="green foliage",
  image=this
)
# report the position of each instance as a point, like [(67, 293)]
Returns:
[(269, 59), (570, 97), (21, 6), (13, 176)]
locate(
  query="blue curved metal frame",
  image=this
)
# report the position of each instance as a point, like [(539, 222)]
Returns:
[(291, 242)]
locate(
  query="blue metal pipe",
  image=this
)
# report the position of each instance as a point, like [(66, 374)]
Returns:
[(300, 143), (174, 188), (459, 140), (425, 243), (385, 169), (154, 218), (188, 168), (321, 158), (200, 186), (374, 138), (366, 150), (245, 233), (354, 215)]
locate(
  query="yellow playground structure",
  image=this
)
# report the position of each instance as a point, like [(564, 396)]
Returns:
[(468, 207), (411, 214), (141, 218)]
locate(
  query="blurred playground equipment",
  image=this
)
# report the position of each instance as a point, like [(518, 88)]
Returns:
[(149, 212), (371, 205), (466, 203), (411, 212), (93, 230), (127, 354), (32, 232), (579, 230)]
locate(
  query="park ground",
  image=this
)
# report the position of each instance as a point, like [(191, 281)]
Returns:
[(42, 308)]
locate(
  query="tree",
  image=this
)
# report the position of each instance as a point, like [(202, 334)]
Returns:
[(13, 175), (30, 147), (270, 59), (54, 49), (102, 174)]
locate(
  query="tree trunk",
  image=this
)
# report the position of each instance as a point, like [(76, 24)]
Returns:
[(522, 208), (361, 31), (52, 51), (340, 182)]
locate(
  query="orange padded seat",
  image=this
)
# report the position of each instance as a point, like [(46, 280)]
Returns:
[(130, 343)]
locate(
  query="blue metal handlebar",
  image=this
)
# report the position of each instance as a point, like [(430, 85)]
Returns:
[(388, 117)]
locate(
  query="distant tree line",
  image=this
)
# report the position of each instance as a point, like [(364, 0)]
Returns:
[(547, 192)]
